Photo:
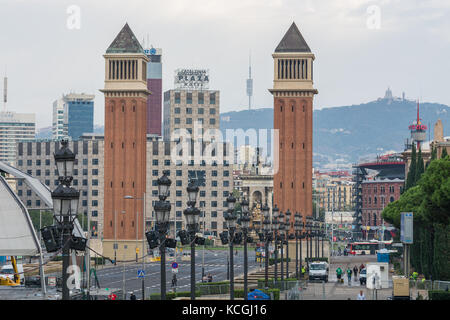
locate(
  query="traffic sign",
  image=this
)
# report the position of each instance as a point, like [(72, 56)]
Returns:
[(174, 265), (141, 273)]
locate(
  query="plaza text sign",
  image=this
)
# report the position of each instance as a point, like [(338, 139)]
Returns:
[(193, 79)]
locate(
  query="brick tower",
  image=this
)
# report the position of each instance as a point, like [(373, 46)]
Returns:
[(293, 94), (125, 145)]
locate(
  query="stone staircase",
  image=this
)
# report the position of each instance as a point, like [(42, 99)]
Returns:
[(253, 277)]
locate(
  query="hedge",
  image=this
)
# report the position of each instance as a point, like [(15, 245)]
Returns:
[(288, 283), (173, 295), (272, 260), (239, 293), (438, 295), (316, 259), (220, 287)]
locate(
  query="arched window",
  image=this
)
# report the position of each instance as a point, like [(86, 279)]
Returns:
[(391, 199)]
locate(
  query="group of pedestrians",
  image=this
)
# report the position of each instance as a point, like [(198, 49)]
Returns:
[(349, 272)]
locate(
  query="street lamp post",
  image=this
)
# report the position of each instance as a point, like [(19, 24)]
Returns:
[(282, 229), (65, 206), (162, 212), (245, 223), (266, 228), (192, 216), (230, 219), (297, 218), (275, 226), (288, 229)]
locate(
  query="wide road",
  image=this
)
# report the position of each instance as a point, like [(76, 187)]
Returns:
[(215, 262)]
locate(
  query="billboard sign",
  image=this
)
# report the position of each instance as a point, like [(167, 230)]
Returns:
[(406, 227), (193, 79)]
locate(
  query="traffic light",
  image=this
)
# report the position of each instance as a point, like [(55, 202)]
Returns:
[(52, 238), (237, 238), (200, 241), (184, 237), (78, 243), (224, 237), (171, 243), (152, 239)]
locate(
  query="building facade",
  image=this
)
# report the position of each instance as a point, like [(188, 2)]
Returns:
[(125, 144), (154, 85), (36, 158), (79, 114), (189, 109), (293, 94), (15, 127), (73, 116)]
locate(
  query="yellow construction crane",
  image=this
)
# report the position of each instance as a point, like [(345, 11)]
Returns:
[(6, 281)]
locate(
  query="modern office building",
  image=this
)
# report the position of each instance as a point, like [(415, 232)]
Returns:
[(125, 144), (36, 158), (293, 94), (73, 115), (15, 127), (154, 85), (79, 114)]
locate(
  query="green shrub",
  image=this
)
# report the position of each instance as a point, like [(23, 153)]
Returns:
[(173, 295), (438, 295), (272, 260)]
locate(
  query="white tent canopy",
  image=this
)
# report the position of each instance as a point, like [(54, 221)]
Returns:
[(17, 235)]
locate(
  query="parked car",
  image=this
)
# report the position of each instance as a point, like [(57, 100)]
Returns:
[(318, 270), (363, 276)]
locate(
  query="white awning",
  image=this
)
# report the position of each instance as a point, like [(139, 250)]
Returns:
[(17, 235)]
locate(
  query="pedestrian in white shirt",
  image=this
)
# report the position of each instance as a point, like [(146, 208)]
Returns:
[(361, 296)]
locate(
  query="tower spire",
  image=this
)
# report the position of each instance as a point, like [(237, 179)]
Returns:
[(250, 81)]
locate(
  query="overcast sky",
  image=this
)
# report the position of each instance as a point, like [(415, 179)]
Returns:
[(357, 55)]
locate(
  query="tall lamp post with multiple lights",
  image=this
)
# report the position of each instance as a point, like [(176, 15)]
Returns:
[(230, 219), (192, 215), (162, 212), (275, 225), (297, 229), (245, 224), (282, 230), (267, 237), (65, 206), (288, 228)]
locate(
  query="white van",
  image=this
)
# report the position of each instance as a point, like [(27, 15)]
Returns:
[(7, 271), (318, 270)]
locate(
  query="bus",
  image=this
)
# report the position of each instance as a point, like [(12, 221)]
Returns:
[(369, 247)]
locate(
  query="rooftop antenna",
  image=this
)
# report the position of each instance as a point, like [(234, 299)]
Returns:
[(5, 91), (250, 82)]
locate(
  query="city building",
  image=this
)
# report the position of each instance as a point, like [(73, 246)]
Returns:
[(191, 105), (15, 127), (73, 116), (293, 94), (154, 85), (377, 183), (125, 145), (36, 158), (215, 181), (439, 141), (333, 190)]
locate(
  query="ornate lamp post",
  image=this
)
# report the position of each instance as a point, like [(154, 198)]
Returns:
[(282, 230), (162, 212), (230, 219), (275, 226), (297, 229), (65, 206), (288, 228), (266, 228), (192, 216), (245, 224)]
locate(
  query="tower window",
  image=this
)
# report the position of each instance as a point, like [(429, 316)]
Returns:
[(303, 185), (303, 108), (292, 108), (292, 145), (281, 185), (281, 108), (303, 145), (292, 185)]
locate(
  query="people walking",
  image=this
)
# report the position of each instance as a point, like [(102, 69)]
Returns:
[(132, 296), (361, 267), (339, 274), (355, 271), (349, 275), (361, 295)]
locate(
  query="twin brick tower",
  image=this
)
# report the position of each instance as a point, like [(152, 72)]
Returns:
[(125, 155)]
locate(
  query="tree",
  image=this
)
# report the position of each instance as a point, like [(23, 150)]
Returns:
[(411, 177), (47, 218), (444, 153), (419, 167)]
